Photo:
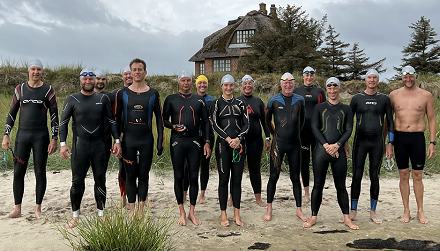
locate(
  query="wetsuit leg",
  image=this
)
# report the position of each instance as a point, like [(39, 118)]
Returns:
[(129, 158), (375, 156), (145, 160), (254, 152), (236, 177), (98, 158), (192, 157), (204, 164), (108, 147), (294, 157), (339, 170), (80, 163), (39, 150), (274, 174), (22, 152), (122, 177), (321, 159), (185, 176), (359, 156), (223, 154), (307, 145)]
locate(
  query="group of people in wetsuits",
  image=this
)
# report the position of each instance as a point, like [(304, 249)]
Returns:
[(295, 122)]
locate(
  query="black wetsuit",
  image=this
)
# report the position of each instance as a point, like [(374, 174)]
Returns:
[(312, 95), (204, 162), (289, 116), (229, 119), (107, 134), (254, 141), (32, 133), (88, 146), (370, 111), (135, 112), (330, 124), (122, 176)]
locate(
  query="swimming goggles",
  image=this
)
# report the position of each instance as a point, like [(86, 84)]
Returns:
[(408, 72), (309, 72), (334, 85), (285, 79), (84, 74)]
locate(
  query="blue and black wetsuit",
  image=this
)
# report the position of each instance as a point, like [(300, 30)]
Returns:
[(289, 115), (370, 111), (122, 176), (229, 119), (190, 111), (330, 124), (204, 162), (32, 133), (88, 147), (135, 112), (312, 95), (254, 141)]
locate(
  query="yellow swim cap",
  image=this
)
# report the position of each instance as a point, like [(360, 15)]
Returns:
[(201, 78)]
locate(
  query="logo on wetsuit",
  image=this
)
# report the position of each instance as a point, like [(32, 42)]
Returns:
[(34, 101), (308, 96), (138, 107), (128, 161), (280, 107), (249, 109), (371, 103)]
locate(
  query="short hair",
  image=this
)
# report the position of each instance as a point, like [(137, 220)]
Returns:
[(138, 60)]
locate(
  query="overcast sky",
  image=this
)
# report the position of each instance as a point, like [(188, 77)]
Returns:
[(166, 33)]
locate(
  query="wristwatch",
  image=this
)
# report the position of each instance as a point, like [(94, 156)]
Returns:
[(240, 138), (433, 142), (339, 144)]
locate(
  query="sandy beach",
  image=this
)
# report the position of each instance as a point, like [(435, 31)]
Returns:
[(284, 232)]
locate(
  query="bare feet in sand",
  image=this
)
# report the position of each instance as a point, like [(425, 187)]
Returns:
[(301, 215), (202, 199), (305, 199), (194, 220), (230, 201), (349, 223), (72, 223), (374, 218), (259, 201), (16, 213), (353, 214), (405, 218), (238, 221), (422, 218), (38, 213), (324, 202), (268, 215), (182, 221), (310, 222), (225, 221)]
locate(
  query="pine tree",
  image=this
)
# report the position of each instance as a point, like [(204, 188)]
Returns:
[(334, 55), (423, 52), (358, 63)]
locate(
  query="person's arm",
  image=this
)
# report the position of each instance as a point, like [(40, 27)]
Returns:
[(315, 124), (431, 124), (263, 124), (268, 119), (159, 125), (167, 113), (222, 134), (64, 126), (110, 117), (10, 119), (390, 128), (54, 121), (302, 114), (245, 120), (348, 127)]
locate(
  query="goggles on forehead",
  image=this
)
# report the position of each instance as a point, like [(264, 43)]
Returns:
[(408, 72), (88, 74), (309, 72), (334, 85), (285, 79)]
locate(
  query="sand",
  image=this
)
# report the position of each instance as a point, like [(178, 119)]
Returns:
[(284, 232)]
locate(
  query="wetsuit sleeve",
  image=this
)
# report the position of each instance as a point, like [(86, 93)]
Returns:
[(159, 125), (323, 96), (348, 127), (263, 119), (389, 117), (167, 113), (205, 122), (15, 105), (245, 121), (353, 105), (118, 108), (53, 110), (268, 119), (65, 118), (222, 134), (111, 117), (302, 114), (315, 126)]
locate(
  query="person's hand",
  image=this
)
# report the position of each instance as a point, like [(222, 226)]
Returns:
[(234, 143), (116, 150), (207, 150), (347, 149), (179, 128), (267, 145), (6, 144), (389, 153), (431, 151), (63, 152), (53, 146)]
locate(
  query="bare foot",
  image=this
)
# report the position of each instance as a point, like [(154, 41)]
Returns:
[(238, 221), (225, 221), (349, 223), (194, 220), (310, 222), (306, 199), (202, 200), (374, 218), (72, 223), (405, 218), (268, 215), (353, 214), (422, 218), (261, 203), (182, 221), (324, 202), (301, 215), (102, 218), (230, 201), (16, 213)]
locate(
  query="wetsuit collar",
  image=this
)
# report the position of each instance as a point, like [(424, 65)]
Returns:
[(185, 95), (284, 96), (247, 96), (228, 99)]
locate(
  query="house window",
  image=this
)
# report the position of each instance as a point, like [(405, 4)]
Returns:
[(243, 36), (202, 68), (222, 65)]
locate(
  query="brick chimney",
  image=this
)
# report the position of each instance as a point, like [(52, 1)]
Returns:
[(273, 11), (263, 8)]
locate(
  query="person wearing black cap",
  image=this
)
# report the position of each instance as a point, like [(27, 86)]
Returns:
[(33, 99)]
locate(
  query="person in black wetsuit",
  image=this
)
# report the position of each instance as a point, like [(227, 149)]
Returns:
[(122, 176), (135, 106), (288, 111), (370, 108), (312, 95), (230, 121), (88, 110), (332, 124), (185, 113), (33, 99), (254, 141), (202, 88)]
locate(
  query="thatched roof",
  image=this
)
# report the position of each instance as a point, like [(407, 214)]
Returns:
[(216, 45)]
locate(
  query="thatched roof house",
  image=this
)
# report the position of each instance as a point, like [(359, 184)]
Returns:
[(222, 49)]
